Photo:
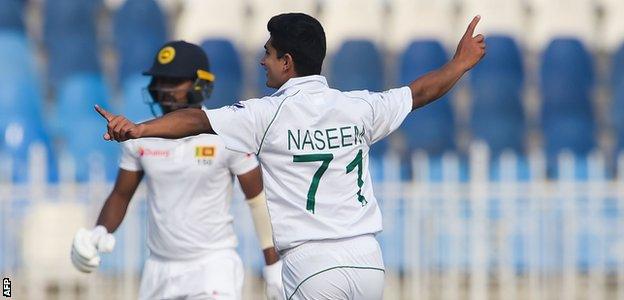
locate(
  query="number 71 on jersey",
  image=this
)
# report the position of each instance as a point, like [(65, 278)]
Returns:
[(326, 158)]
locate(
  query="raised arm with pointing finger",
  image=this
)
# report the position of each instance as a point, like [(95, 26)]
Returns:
[(435, 84), (313, 143), (189, 122)]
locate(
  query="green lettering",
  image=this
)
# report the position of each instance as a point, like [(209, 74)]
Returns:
[(358, 134), (326, 158), (357, 162), (307, 139), (319, 139), (292, 136), (330, 138), (345, 136)]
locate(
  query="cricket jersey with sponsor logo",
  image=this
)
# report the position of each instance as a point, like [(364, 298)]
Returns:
[(189, 190), (312, 142)]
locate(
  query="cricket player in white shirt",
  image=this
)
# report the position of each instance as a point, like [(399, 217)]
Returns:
[(313, 143), (189, 185)]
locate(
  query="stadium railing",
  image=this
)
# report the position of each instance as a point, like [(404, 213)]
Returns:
[(454, 230)]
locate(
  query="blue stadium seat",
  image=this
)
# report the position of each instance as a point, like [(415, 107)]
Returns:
[(79, 128), (420, 57), (70, 37), (501, 130), (76, 97), (357, 65), (17, 55), (140, 29), (430, 128), (225, 63), (617, 90), (503, 57), (21, 97), (79, 58), (85, 141), (571, 131), (134, 92), (78, 94), (566, 81), (567, 74), (66, 18), (21, 104), (11, 14), (17, 134), (496, 85)]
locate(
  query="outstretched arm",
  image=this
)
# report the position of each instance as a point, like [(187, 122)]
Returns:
[(435, 84), (178, 124)]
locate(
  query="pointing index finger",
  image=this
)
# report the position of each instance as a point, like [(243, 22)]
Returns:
[(105, 114), (472, 26)]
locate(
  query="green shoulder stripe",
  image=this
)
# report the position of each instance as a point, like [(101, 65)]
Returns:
[(272, 120)]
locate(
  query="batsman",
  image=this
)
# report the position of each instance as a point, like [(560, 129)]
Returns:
[(189, 190)]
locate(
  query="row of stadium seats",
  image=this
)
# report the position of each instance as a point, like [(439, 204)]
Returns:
[(497, 84), (394, 22), (389, 22)]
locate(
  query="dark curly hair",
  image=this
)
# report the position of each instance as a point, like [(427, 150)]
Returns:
[(301, 36)]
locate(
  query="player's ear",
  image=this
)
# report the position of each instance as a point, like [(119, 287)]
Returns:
[(288, 62)]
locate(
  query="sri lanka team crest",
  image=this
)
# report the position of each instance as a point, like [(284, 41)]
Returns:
[(204, 154), (166, 55)]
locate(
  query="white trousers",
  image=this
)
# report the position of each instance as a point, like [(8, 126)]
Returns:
[(218, 275), (350, 268)]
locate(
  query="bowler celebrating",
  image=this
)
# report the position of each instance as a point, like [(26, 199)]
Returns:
[(313, 143)]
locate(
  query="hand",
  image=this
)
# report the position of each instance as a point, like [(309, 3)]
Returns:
[(470, 49), (87, 246), (273, 278), (119, 128)]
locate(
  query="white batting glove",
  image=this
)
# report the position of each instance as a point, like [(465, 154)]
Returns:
[(87, 246), (273, 279)]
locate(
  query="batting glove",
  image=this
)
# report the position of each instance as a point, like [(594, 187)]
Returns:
[(273, 278), (87, 246)]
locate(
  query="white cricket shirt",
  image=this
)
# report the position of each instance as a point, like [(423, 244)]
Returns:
[(189, 190), (312, 142)]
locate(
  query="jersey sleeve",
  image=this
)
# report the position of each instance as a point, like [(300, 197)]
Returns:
[(129, 160), (389, 110), (240, 163), (242, 125)]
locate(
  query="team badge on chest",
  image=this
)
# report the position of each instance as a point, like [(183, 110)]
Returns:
[(204, 155)]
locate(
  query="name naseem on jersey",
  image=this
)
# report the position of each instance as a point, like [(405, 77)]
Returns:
[(321, 139)]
